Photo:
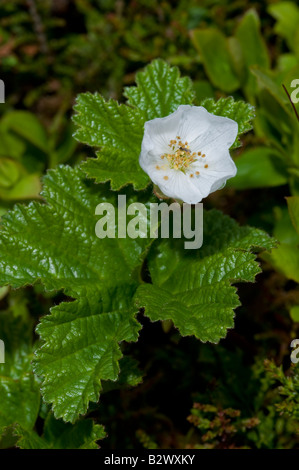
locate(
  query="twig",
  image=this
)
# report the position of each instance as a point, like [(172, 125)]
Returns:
[(290, 99), (38, 26)]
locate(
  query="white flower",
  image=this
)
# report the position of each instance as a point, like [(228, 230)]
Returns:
[(186, 153)]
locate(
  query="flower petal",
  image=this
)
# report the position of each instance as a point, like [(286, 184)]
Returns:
[(158, 132), (178, 186), (193, 123), (220, 132), (217, 173)]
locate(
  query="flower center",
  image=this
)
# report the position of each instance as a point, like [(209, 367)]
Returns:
[(180, 158)]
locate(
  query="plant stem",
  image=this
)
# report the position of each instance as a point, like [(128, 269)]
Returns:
[(292, 104)]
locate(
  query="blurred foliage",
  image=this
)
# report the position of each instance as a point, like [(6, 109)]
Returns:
[(50, 50), (266, 421)]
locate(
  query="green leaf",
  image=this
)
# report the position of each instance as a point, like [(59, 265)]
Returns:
[(203, 89), (106, 123), (285, 257), (239, 111), (294, 313), (11, 145), (28, 187), (29, 439), (14, 408), (287, 17), (285, 260), (258, 167), (3, 292), (254, 49), (266, 81), (274, 124), (26, 125), (83, 435), (67, 147), (160, 90), (19, 390), (9, 172), (293, 206), (214, 53), (110, 165), (59, 435), (130, 375), (56, 244), (81, 347), (284, 230), (118, 129), (16, 183), (193, 289)]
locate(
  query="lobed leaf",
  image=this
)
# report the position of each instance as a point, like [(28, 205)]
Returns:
[(81, 348), (19, 389), (56, 244), (59, 435), (160, 90), (118, 130), (194, 289)]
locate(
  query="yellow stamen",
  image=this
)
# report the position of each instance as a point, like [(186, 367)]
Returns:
[(180, 157)]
